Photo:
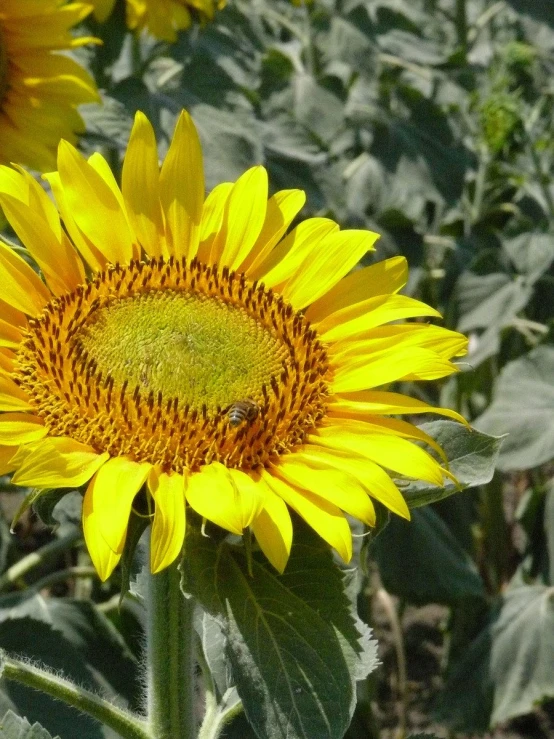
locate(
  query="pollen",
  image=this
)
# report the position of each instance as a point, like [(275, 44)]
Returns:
[(150, 360)]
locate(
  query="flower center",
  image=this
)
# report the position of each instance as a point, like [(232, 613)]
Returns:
[(178, 364), (3, 66), (203, 351)]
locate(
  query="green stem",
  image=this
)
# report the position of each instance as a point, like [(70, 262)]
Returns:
[(126, 725), (170, 679), (216, 719), (28, 563)]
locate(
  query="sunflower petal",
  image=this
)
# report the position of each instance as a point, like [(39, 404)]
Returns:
[(356, 319), (168, 529), (322, 270), (334, 485), (21, 287), (96, 210), (182, 189), (383, 278), (59, 462), (140, 182), (376, 402), (273, 530), (325, 518), (370, 475), (243, 219), (103, 558), (20, 428), (281, 210), (212, 493), (389, 451), (113, 489)]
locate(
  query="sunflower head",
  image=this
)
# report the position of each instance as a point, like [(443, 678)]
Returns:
[(40, 88), (199, 353)]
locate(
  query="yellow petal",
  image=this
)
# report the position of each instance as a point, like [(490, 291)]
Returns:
[(389, 451), (252, 494), (168, 529), (59, 462), (243, 218), (94, 207), (382, 278), (382, 425), (21, 185), (281, 210), (89, 251), (273, 530), (212, 493), (103, 558), (212, 218), (6, 455), (20, 428), (386, 366), (100, 165), (141, 187), (63, 270), (12, 398), (288, 256), (324, 518), (370, 475), (374, 402), (113, 489), (323, 269), (356, 319), (334, 485), (11, 315), (21, 287), (440, 340), (10, 336), (182, 189)]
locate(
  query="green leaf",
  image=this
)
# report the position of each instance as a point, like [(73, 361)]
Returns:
[(15, 727), (292, 641), (46, 502), (507, 670), (38, 641), (94, 652), (523, 408), (471, 455), (421, 561)]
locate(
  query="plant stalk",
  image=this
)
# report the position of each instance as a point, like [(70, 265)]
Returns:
[(125, 724), (170, 658)]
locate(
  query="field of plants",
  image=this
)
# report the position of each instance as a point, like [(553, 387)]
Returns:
[(431, 123)]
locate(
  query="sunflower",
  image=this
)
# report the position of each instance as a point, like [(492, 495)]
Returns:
[(39, 89), (200, 353), (162, 18)]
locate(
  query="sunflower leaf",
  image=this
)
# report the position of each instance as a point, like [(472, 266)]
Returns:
[(293, 644), (15, 727), (471, 458)]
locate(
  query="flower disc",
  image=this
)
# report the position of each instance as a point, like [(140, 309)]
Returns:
[(147, 360)]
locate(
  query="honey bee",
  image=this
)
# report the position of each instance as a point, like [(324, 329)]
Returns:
[(242, 411)]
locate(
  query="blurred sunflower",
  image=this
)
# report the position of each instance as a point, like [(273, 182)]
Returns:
[(162, 18), (198, 348), (39, 89)]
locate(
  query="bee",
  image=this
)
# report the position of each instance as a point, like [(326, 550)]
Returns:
[(242, 411)]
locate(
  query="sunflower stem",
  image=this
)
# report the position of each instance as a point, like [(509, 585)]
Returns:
[(125, 724), (170, 666)]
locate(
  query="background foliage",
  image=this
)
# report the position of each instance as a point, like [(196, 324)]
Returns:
[(429, 121)]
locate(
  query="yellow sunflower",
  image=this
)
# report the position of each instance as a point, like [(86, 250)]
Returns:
[(39, 89), (162, 18), (199, 351)]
